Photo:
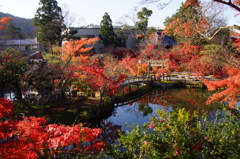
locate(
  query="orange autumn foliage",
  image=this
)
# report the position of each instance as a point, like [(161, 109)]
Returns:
[(231, 86), (187, 24), (191, 3), (186, 29), (73, 55), (72, 49), (133, 66), (236, 2), (4, 21)]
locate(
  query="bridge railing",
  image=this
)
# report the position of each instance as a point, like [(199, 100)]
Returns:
[(141, 79)]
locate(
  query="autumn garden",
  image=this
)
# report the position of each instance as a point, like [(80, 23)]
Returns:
[(69, 75)]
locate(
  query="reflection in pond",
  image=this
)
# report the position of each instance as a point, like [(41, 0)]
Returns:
[(190, 99), (130, 114), (110, 131), (146, 109), (168, 99)]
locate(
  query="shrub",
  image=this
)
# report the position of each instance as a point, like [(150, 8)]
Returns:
[(179, 134)]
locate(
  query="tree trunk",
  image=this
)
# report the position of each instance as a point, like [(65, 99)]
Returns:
[(19, 92), (51, 49), (2, 87)]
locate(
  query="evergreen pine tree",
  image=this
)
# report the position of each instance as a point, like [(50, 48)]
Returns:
[(143, 16), (50, 20), (106, 31)]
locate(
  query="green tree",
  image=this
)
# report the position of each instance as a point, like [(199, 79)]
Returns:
[(151, 30), (5, 77), (12, 64), (191, 15), (106, 30), (70, 34), (120, 40), (143, 16), (50, 20), (13, 32)]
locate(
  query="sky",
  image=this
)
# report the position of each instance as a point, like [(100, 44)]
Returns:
[(88, 12)]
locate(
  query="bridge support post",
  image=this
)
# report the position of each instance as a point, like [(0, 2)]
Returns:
[(122, 89)]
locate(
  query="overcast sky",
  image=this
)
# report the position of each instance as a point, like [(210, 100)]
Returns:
[(91, 11)]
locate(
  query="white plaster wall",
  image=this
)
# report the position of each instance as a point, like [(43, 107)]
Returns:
[(90, 31), (95, 32)]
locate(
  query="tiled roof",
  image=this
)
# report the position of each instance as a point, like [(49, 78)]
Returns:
[(167, 41), (18, 42)]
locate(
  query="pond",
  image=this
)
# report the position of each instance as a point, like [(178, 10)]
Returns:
[(140, 111)]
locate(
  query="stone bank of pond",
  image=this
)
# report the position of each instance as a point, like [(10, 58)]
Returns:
[(141, 110)]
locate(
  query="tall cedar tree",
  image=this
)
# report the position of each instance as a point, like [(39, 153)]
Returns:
[(50, 20), (143, 16), (106, 31)]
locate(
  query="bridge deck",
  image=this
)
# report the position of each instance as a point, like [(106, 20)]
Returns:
[(137, 80)]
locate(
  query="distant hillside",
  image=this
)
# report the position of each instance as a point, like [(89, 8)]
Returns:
[(26, 25)]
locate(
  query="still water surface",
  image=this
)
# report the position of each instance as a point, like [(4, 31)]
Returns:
[(140, 111)]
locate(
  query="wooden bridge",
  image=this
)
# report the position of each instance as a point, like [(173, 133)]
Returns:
[(150, 79), (179, 77), (138, 80)]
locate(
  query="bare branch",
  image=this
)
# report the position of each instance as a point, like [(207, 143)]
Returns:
[(80, 21), (218, 30), (132, 16), (213, 13), (68, 18), (159, 5), (229, 3)]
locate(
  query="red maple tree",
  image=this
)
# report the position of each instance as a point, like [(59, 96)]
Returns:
[(73, 55), (31, 137), (101, 80)]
